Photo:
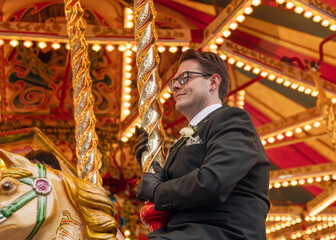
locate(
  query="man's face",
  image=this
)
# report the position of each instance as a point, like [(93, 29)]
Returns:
[(193, 96)]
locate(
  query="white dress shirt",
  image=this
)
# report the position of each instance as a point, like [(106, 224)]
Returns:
[(205, 112)]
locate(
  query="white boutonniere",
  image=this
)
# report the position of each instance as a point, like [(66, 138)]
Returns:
[(186, 133)]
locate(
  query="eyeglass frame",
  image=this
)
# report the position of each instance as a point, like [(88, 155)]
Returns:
[(179, 78)]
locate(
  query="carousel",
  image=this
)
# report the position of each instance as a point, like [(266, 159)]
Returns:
[(76, 77)]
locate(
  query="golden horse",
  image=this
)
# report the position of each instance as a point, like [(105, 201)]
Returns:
[(41, 203)]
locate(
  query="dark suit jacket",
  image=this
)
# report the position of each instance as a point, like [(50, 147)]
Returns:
[(219, 189)]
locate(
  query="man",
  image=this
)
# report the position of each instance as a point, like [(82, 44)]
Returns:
[(214, 182)]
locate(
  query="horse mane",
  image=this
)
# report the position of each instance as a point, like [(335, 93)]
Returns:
[(94, 206), (14, 173)]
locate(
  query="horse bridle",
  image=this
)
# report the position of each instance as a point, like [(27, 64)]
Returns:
[(41, 188)]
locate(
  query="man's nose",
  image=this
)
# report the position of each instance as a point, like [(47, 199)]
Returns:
[(176, 86)]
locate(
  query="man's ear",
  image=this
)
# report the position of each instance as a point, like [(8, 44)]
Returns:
[(215, 80)]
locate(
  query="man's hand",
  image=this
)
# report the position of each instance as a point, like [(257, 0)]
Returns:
[(141, 141), (147, 183)]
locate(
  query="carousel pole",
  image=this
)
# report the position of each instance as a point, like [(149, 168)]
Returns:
[(150, 107), (89, 159)]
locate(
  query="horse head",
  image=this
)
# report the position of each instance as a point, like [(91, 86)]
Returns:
[(41, 203)]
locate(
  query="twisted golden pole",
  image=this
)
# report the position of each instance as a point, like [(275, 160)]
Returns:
[(325, 104), (89, 158), (149, 82)]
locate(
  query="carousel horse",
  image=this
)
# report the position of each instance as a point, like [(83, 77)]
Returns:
[(41, 203)]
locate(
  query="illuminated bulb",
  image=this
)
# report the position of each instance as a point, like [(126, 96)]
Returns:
[(129, 17), (128, 53), (124, 139), (248, 10), (317, 18), (226, 33), (233, 26), (161, 49), (173, 49), (264, 74), (185, 48), (301, 181), (127, 104), (2, 42), (127, 233), (294, 183), (289, 133), (308, 91), (162, 100), (310, 180), (326, 178), (128, 60), (333, 100), (280, 1), (223, 56), (270, 186), (264, 143), (127, 97), (256, 70), (129, 24), (318, 179), (298, 10), (14, 43), (294, 86), (96, 47), (56, 45), (239, 64), (285, 184), (128, 75), (280, 136), (127, 89), (287, 83), (277, 185), (128, 45), (271, 140), (333, 27), (317, 124), (298, 130), (166, 95), (325, 23), (289, 5), (271, 77), (67, 46), (279, 80), (129, 11), (231, 60), (28, 44), (134, 48), (240, 18), (308, 14), (129, 134), (256, 2), (247, 68), (213, 46), (128, 68), (109, 47), (122, 48), (307, 127), (42, 45), (314, 93), (301, 88), (132, 130)]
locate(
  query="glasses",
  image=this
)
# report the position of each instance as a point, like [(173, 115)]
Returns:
[(183, 78)]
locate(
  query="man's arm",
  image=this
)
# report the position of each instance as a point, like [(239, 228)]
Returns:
[(231, 153)]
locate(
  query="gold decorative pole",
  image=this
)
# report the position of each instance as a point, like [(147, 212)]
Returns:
[(149, 82), (89, 159)]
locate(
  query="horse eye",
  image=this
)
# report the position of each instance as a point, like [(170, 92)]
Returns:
[(6, 186)]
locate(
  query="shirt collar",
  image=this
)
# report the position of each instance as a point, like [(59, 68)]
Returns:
[(203, 113)]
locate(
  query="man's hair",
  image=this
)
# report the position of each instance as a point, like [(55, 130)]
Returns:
[(210, 63), (44, 157)]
